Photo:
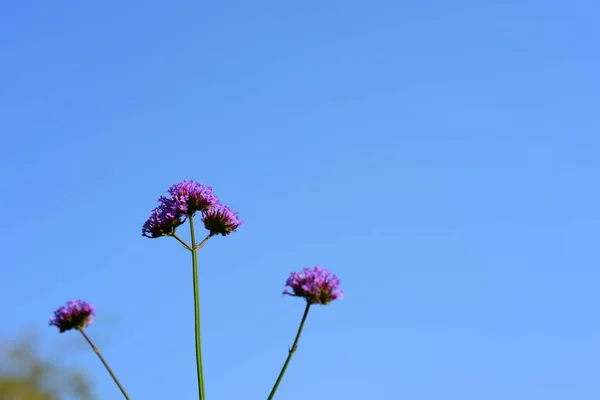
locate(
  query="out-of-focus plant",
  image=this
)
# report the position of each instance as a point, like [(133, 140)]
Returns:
[(25, 375)]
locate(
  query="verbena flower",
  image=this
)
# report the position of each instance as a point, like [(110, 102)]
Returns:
[(316, 285), (163, 220), (221, 220), (76, 314), (190, 197)]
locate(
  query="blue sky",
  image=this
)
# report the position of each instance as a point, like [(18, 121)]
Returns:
[(441, 158)]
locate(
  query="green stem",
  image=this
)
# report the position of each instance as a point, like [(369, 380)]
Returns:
[(202, 243), (194, 250), (290, 352), (97, 351), (181, 241)]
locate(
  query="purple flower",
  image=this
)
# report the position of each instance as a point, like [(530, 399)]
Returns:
[(316, 285), (76, 314), (163, 220), (191, 196), (221, 220)]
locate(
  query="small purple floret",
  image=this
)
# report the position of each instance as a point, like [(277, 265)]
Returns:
[(163, 220), (221, 220), (187, 197), (76, 314), (316, 285), (190, 197)]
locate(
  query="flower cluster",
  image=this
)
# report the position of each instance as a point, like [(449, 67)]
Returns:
[(76, 314), (316, 285), (187, 198), (221, 220), (163, 220)]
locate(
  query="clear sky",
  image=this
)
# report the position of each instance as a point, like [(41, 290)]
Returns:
[(442, 158)]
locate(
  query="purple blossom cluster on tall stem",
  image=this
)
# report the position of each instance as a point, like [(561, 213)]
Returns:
[(164, 220), (317, 286), (75, 314), (78, 315), (185, 200), (190, 197)]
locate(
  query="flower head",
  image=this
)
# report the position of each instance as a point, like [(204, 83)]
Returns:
[(191, 196), (76, 314), (221, 220), (316, 285), (163, 220)]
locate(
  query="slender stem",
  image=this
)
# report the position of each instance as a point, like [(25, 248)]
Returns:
[(202, 243), (97, 351), (291, 352), (194, 250), (187, 246)]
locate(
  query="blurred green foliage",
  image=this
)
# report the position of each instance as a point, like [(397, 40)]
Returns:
[(25, 375)]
